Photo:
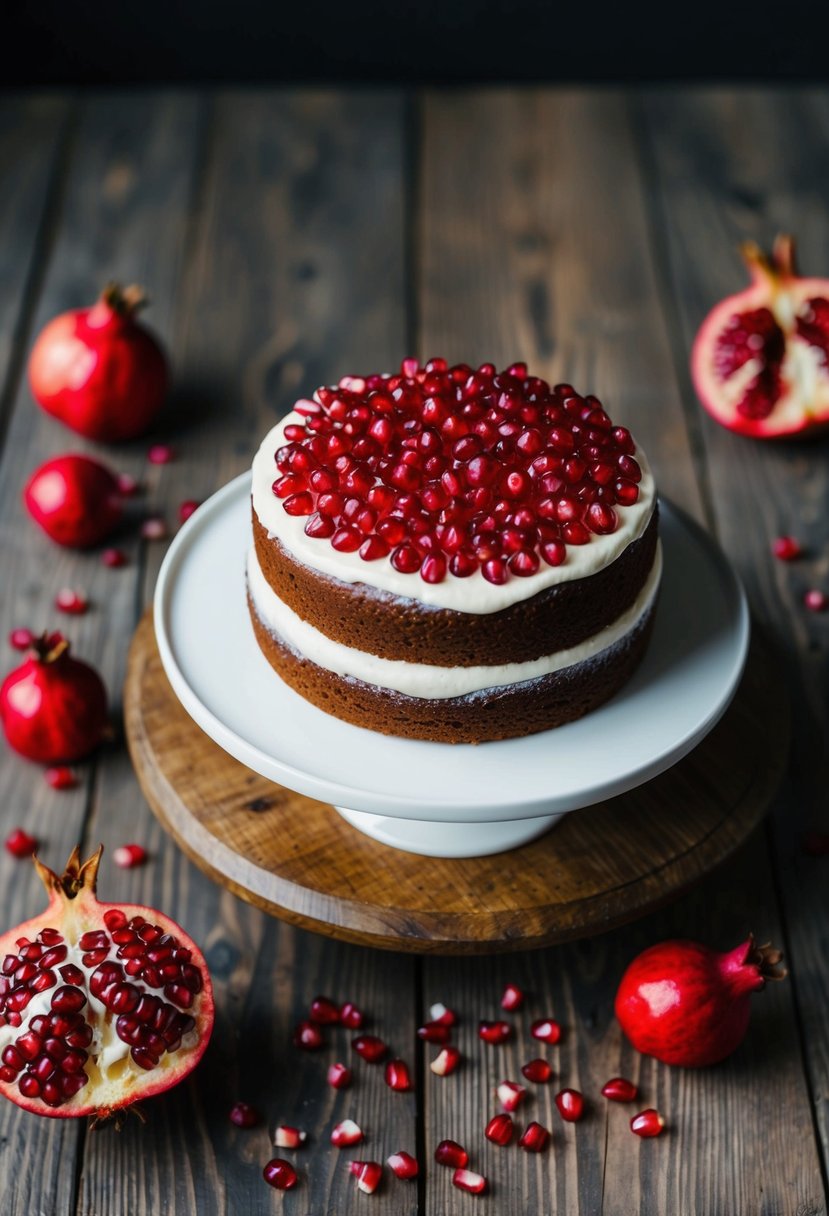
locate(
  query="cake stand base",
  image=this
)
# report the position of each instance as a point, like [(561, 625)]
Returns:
[(432, 838)]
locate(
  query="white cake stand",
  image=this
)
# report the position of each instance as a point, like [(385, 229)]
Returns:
[(436, 799)]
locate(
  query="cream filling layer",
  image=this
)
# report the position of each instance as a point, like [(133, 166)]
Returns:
[(473, 594), (422, 679)]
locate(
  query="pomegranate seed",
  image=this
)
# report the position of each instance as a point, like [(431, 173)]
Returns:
[(537, 1071), (324, 1011), (129, 855), (71, 602), (20, 843), (647, 1123), (350, 1016), (510, 1094), (154, 528), (440, 1013), (513, 997), (308, 1036), (397, 1076), (114, 558), (338, 1076), (535, 1138), (346, 1134), (468, 1180), (450, 1153), (127, 485), (815, 844), (445, 1062), (368, 1175), (187, 508), (494, 1032), (60, 777), (619, 1089), (403, 1165), (546, 1030), (499, 1129), (21, 639), (434, 1032), (160, 453), (786, 548), (280, 1174), (816, 600), (570, 1105), (289, 1137), (244, 1115), (370, 1048)]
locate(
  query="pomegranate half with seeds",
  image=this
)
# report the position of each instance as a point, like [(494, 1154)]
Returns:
[(760, 361), (101, 1004)]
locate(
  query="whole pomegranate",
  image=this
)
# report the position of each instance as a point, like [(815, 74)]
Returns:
[(101, 1004), (76, 500), (99, 370), (689, 1005), (53, 707), (760, 361)]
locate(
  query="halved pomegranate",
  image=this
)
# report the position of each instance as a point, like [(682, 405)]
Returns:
[(760, 361), (101, 1004)]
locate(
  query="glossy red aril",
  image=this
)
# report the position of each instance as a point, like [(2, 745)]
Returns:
[(127, 856), (535, 1138), (153, 528), (53, 707), (403, 1164), (59, 777), (760, 361), (244, 1115), (161, 453), (75, 500), (397, 1076), (450, 1153), (370, 1048), (619, 1089), (324, 1011), (280, 1174), (494, 1032), (21, 639), (546, 1030), (687, 1004), (368, 1174), (440, 1013), (647, 1123), (816, 600), (499, 1129), (786, 549), (99, 370), (468, 1180), (73, 603), (20, 844), (346, 1134), (513, 997), (338, 1076), (446, 1061), (511, 1094), (114, 558), (120, 990), (289, 1137), (570, 1104), (308, 1036), (187, 508), (537, 1071), (434, 1032), (350, 1016)]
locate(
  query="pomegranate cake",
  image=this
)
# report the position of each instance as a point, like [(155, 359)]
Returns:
[(453, 554)]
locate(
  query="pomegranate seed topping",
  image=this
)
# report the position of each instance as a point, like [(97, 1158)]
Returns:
[(21, 639), (816, 600), (154, 528), (786, 548), (160, 453), (280, 1174), (547, 1030), (308, 1036), (468, 1180), (20, 844), (815, 844), (129, 855), (440, 1013), (510, 1094), (535, 1138), (244, 1115), (445, 1062), (338, 1076), (570, 1105), (368, 1175), (324, 1011), (350, 1016), (72, 602), (346, 1134), (397, 1076), (114, 558), (127, 485), (538, 1071), (647, 1123), (60, 777), (434, 1032), (370, 1048), (187, 508), (289, 1137), (619, 1089), (403, 1164), (450, 1153), (494, 1032), (513, 997), (499, 1129)]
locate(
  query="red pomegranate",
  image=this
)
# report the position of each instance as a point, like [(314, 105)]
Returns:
[(99, 370), (53, 707), (760, 361), (76, 500)]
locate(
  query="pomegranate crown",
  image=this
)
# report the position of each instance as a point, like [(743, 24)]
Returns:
[(779, 264), (763, 961), (77, 876), (49, 647), (125, 301)]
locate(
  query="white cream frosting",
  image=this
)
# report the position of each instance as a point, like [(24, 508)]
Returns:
[(473, 594), (421, 679)]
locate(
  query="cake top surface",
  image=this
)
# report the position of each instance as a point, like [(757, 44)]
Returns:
[(459, 487)]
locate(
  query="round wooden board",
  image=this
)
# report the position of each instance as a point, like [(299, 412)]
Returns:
[(299, 860)]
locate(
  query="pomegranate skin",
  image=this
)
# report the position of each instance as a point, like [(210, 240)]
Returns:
[(75, 500), (689, 1005), (98, 370), (53, 707)]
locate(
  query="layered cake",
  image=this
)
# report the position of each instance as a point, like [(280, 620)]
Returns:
[(453, 554)]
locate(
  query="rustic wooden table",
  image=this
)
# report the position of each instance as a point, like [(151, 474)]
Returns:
[(287, 237)]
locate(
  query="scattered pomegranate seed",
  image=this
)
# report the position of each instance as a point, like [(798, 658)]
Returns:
[(647, 1123), (280, 1174), (816, 600), (494, 1032), (510, 1094), (350, 1016), (338, 1076), (71, 601), (370, 1048), (154, 528), (60, 777), (440, 1013), (446, 1061), (786, 548), (547, 1030), (308, 1036), (467, 1180), (535, 1138), (538, 1071), (619, 1089), (570, 1105), (403, 1164), (513, 997), (127, 485), (450, 1153), (368, 1175), (324, 1011), (160, 453), (815, 844), (434, 1032), (186, 509), (499, 1129), (346, 1134), (20, 843), (397, 1076), (129, 855), (21, 639), (244, 1115), (114, 558), (289, 1137)]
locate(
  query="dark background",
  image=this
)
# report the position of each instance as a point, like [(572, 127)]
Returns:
[(444, 41)]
